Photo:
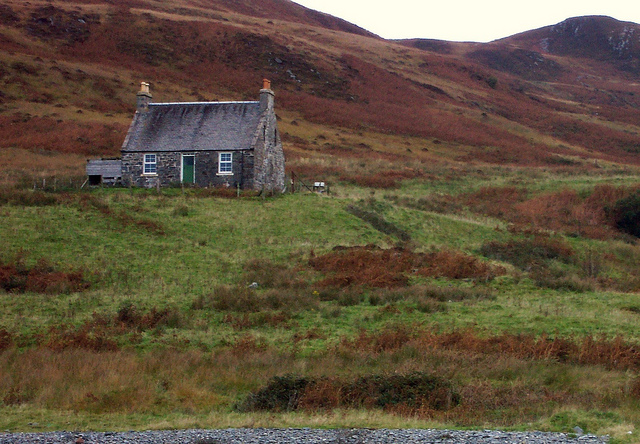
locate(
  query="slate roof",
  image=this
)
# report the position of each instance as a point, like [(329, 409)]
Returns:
[(104, 167), (198, 126)]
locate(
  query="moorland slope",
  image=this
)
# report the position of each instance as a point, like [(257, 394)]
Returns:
[(474, 265)]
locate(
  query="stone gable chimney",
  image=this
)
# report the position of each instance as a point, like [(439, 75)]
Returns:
[(267, 96), (143, 98)]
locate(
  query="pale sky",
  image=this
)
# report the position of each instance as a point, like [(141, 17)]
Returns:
[(467, 20)]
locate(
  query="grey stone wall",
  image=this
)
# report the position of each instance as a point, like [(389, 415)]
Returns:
[(206, 169), (167, 166), (269, 172)]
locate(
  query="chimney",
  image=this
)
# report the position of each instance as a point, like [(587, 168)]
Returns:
[(267, 96), (143, 98)]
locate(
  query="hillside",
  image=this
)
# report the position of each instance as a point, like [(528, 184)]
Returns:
[(70, 70), (475, 264)]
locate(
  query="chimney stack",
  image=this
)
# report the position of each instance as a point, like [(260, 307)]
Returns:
[(143, 98), (267, 96)]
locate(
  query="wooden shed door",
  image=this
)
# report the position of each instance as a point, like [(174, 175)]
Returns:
[(188, 169)]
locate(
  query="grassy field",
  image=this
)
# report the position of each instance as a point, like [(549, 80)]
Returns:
[(127, 309)]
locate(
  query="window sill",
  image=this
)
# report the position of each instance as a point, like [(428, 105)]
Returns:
[(149, 175), (224, 174)]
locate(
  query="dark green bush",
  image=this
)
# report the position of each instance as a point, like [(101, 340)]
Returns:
[(530, 252), (412, 390), (416, 390), (281, 394), (626, 214)]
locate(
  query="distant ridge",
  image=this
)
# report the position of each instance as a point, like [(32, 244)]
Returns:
[(291, 11), (595, 37)]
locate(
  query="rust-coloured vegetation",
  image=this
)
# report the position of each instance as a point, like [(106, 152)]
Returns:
[(105, 332), (375, 267), (17, 277), (594, 214), (611, 353)]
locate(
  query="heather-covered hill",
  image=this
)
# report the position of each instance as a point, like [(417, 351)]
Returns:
[(599, 38), (482, 226), (69, 71)]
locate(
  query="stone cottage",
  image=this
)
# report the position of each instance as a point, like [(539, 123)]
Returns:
[(231, 144)]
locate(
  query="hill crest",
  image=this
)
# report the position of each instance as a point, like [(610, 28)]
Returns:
[(70, 69)]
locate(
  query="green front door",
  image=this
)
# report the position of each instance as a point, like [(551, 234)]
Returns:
[(188, 169)]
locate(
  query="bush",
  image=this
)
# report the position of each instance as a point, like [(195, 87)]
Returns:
[(374, 267), (281, 394), (416, 390), (16, 277), (458, 265), (271, 275), (546, 279), (26, 198), (626, 214), (529, 252), (247, 300), (429, 298), (132, 317), (413, 391)]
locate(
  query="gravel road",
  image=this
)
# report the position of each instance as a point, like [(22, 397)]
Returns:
[(299, 436)]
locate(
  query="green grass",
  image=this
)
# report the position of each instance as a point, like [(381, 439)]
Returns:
[(171, 250)]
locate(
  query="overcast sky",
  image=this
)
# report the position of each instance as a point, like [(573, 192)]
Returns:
[(467, 20)]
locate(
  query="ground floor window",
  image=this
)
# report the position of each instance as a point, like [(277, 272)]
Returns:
[(150, 164), (225, 163)]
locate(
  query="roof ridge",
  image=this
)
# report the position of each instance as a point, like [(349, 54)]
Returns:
[(205, 103)]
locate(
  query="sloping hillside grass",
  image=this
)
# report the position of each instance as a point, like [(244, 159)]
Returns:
[(131, 308)]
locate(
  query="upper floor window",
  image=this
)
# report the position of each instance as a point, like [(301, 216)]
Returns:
[(150, 164), (225, 163)]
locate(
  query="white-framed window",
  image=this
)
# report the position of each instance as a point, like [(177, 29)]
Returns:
[(150, 164), (225, 163)]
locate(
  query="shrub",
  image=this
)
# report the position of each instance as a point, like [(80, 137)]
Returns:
[(254, 320), (530, 252), (281, 394), (26, 198), (268, 274), (458, 265), (16, 277), (247, 300), (546, 279), (374, 267), (413, 391), (626, 214)]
